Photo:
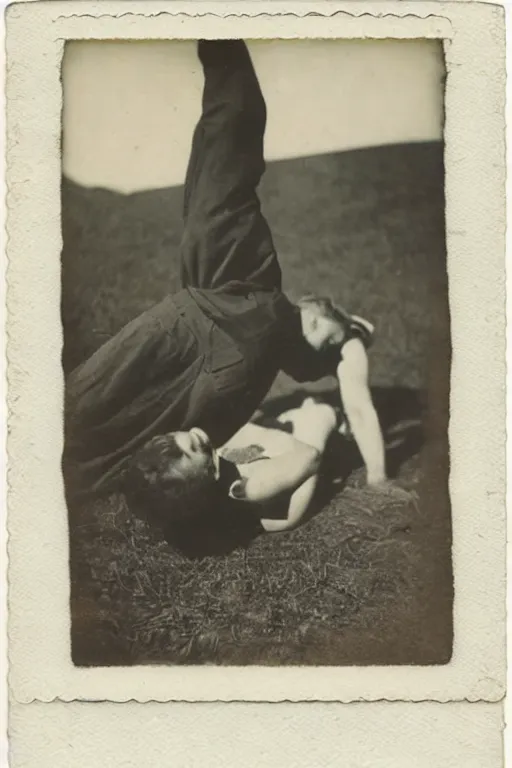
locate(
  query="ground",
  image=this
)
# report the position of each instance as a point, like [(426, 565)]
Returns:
[(366, 580)]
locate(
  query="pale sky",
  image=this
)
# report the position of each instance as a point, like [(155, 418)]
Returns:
[(130, 107)]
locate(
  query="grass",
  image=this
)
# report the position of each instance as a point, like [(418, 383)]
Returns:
[(367, 580)]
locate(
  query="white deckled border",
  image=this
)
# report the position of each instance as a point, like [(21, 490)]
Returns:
[(364, 735), (41, 666)]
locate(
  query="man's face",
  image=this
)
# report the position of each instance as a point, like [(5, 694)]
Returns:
[(318, 330), (198, 455)]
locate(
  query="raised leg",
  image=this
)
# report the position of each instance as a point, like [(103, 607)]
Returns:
[(226, 237)]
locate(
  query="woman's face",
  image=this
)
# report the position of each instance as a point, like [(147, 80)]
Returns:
[(198, 455), (318, 330)]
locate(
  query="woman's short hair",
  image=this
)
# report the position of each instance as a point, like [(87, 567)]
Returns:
[(352, 325), (157, 485), (325, 307)]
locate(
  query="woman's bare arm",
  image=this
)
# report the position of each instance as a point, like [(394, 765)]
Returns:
[(357, 401)]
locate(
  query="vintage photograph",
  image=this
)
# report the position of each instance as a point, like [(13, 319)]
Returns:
[(256, 352)]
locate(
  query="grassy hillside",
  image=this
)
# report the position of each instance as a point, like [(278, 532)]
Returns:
[(366, 227)]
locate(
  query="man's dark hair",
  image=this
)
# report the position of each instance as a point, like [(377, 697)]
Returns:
[(156, 484)]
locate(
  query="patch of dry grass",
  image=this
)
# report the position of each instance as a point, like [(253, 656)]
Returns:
[(269, 601)]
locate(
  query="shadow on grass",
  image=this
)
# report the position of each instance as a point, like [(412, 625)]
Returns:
[(226, 529)]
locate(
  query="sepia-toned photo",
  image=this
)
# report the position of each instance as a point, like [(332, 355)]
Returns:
[(256, 383), (256, 353)]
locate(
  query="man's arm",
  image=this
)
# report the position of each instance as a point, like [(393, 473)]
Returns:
[(262, 481), (291, 473), (356, 398)]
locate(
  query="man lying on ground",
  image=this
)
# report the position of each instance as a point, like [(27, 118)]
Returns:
[(180, 478)]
